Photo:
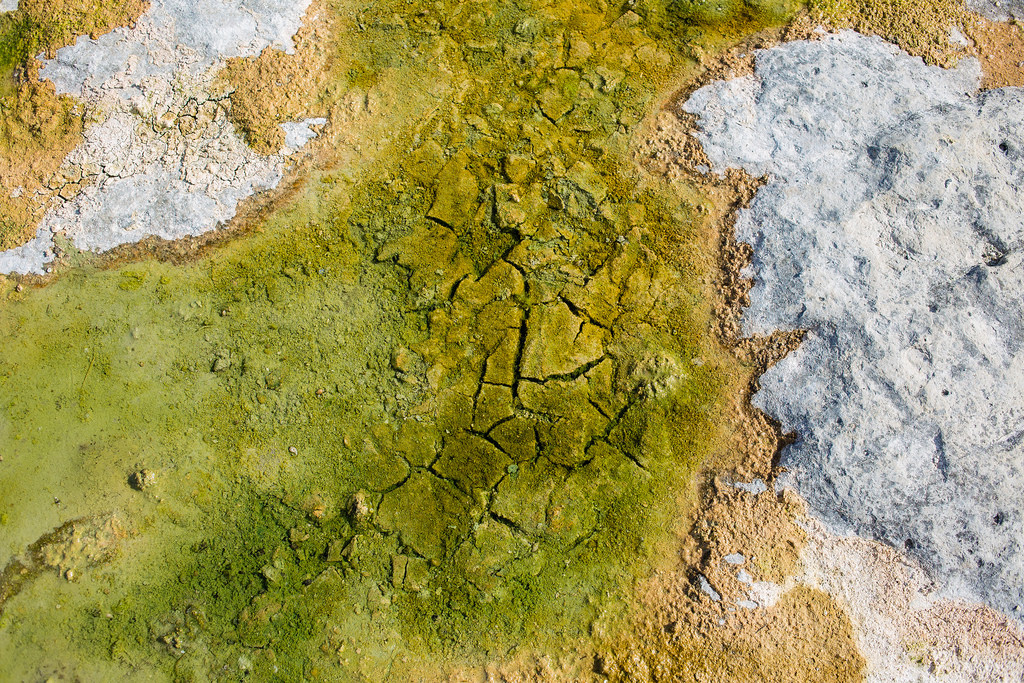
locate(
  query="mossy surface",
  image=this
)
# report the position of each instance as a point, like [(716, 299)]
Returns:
[(438, 410)]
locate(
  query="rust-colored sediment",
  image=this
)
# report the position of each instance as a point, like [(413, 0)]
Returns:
[(1000, 48)]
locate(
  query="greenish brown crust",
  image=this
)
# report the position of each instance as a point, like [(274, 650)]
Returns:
[(920, 28), (38, 127), (442, 413)]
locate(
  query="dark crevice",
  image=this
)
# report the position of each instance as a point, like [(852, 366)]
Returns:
[(487, 437), (599, 409), (441, 223), (570, 376), (517, 366), (512, 526), (580, 313), (449, 296), (499, 422)]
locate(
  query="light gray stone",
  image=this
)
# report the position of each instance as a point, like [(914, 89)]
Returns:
[(998, 10), (8, 5), (892, 229), (298, 133), (173, 36)]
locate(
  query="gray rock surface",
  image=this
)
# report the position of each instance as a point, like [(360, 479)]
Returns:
[(892, 230), (173, 36), (998, 10), (8, 5)]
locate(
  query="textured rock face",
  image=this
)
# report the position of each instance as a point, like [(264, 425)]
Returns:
[(171, 36), (891, 229), (998, 10), (165, 159)]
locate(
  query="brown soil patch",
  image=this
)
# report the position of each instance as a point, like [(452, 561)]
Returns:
[(804, 637), (1000, 48), (276, 87), (38, 128)]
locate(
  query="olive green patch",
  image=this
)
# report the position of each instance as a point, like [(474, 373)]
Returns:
[(428, 414)]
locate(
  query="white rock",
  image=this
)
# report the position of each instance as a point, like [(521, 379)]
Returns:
[(998, 10), (171, 36), (164, 160), (892, 229), (298, 133), (755, 487), (707, 588), (735, 558), (8, 5)]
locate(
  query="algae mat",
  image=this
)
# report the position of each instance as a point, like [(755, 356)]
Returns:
[(441, 405)]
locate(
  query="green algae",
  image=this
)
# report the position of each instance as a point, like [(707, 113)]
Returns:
[(437, 414)]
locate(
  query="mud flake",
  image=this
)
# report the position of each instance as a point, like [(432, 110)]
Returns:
[(558, 99), (586, 177), (471, 462), (493, 403), (522, 498), (455, 201), (426, 162), (501, 281), (572, 421), (559, 342), (517, 438), (418, 442), (429, 514), (517, 168), (501, 364), (597, 297)]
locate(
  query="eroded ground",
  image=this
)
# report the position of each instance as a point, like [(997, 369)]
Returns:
[(466, 398)]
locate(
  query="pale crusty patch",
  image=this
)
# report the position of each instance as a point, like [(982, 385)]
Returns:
[(38, 128), (904, 626)]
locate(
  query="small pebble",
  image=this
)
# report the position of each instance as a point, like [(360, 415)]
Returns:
[(142, 479), (293, 450)]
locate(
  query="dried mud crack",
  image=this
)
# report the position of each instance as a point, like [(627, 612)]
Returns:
[(467, 396)]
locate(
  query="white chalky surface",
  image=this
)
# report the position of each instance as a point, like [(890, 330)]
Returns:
[(891, 229), (998, 10), (164, 159), (8, 5)]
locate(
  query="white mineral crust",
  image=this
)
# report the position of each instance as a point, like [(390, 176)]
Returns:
[(998, 10), (891, 229), (164, 159)]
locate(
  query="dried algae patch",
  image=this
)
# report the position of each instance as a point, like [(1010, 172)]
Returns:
[(275, 87), (442, 414), (920, 28), (38, 128), (805, 637)]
